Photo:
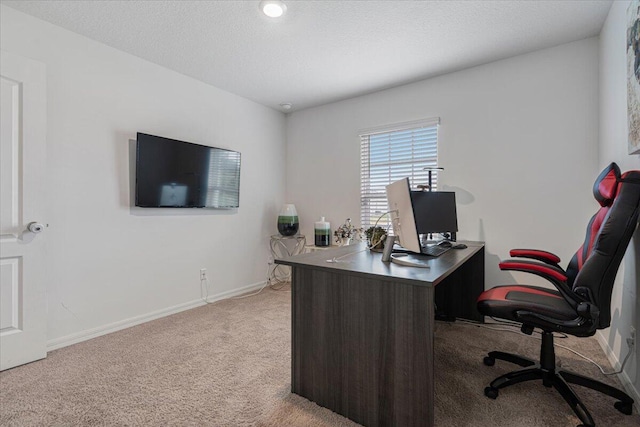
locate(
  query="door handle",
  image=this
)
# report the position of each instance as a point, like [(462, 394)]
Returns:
[(35, 227)]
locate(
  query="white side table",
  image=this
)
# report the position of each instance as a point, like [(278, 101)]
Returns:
[(282, 246)]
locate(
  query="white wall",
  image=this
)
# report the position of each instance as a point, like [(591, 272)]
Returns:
[(138, 263), (518, 141), (613, 148)]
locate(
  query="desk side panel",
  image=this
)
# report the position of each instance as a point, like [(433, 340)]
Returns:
[(457, 294), (363, 348)]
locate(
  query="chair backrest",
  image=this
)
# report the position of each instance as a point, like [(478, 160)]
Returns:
[(592, 270)]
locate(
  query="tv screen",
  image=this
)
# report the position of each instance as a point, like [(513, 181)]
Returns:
[(178, 174)]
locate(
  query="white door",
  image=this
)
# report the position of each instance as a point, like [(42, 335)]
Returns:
[(22, 162)]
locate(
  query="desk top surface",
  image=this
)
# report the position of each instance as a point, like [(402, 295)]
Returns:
[(358, 260)]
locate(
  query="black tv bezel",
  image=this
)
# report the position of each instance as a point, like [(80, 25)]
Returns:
[(136, 203)]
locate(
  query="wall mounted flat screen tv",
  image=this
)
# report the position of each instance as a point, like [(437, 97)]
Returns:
[(178, 174)]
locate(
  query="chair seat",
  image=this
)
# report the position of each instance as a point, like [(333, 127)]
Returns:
[(506, 301)]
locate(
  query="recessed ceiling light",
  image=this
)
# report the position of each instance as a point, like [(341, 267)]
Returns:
[(273, 8), (286, 105)]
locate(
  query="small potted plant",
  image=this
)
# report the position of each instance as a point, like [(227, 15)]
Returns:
[(375, 237), (346, 232)]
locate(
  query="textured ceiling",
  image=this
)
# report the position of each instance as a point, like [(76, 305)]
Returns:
[(322, 51)]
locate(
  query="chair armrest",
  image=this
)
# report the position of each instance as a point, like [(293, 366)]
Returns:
[(554, 274), (551, 273), (587, 313), (544, 256)]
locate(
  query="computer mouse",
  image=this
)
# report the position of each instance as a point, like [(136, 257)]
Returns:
[(445, 244), (460, 246)]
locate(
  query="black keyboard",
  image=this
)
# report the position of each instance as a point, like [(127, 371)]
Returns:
[(434, 250)]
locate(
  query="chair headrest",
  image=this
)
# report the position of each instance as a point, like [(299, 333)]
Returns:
[(606, 185)]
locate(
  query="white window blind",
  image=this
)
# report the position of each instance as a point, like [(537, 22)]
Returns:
[(392, 153)]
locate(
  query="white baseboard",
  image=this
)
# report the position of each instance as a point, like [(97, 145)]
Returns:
[(623, 377), (133, 321)]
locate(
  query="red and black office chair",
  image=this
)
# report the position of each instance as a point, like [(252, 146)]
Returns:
[(579, 304)]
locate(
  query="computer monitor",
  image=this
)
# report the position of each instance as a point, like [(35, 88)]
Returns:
[(402, 215), (435, 211)]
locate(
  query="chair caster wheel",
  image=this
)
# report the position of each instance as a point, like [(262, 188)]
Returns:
[(623, 407), (491, 392), (489, 361)]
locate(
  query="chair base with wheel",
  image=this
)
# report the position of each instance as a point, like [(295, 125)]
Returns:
[(559, 379)]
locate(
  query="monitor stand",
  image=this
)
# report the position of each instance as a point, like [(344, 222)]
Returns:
[(406, 259), (428, 239), (411, 260), (424, 241)]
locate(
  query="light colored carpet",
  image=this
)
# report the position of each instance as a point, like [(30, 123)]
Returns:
[(228, 364)]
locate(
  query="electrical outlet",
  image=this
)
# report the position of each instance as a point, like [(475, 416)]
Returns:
[(203, 274)]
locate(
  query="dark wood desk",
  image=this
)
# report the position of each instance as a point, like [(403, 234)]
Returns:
[(362, 330)]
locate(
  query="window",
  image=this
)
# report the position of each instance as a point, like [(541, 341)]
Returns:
[(391, 153)]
